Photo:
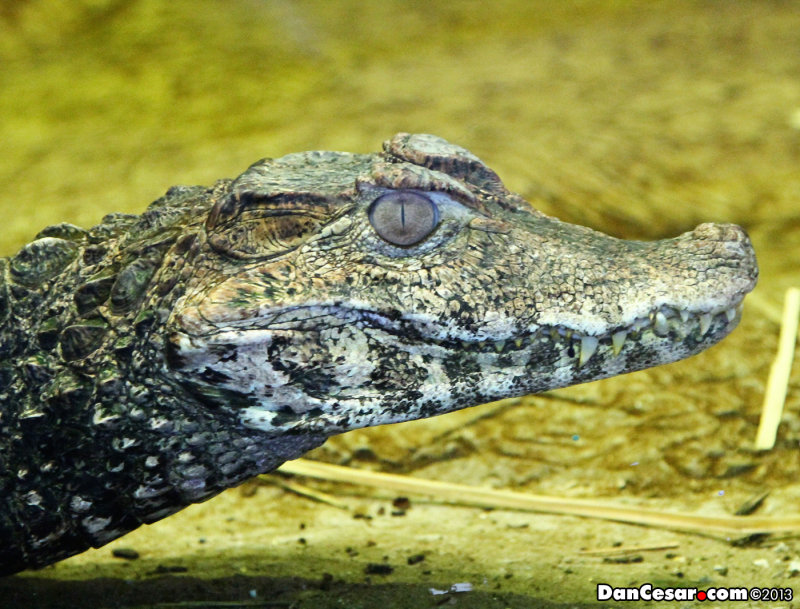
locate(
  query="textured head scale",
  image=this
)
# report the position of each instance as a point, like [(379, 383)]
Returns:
[(354, 290)]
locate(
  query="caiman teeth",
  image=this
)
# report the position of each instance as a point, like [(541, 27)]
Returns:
[(588, 348), (618, 340), (665, 322), (660, 325), (705, 323)]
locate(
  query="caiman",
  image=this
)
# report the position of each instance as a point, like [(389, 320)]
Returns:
[(152, 361)]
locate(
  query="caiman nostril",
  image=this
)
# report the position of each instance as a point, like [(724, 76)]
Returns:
[(721, 232)]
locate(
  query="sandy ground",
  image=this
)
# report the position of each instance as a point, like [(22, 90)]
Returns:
[(641, 119)]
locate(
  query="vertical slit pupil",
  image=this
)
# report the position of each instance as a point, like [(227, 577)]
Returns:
[(403, 218)]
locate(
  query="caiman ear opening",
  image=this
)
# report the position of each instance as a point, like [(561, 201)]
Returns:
[(249, 226)]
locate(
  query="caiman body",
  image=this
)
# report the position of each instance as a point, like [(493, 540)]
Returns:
[(152, 361)]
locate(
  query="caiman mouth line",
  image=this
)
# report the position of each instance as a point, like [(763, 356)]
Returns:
[(663, 322)]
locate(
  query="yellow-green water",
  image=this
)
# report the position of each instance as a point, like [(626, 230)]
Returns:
[(641, 119)]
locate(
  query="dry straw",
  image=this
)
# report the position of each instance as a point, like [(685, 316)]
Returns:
[(460, 494), (778, 382)]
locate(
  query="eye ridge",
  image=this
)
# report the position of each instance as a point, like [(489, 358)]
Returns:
[(403, 217)]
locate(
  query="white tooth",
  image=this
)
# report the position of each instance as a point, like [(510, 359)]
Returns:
[(588, 347), (618, 340), (660, 325), (705, 323), (518, 343), (465, 344), (730, 314), (499, 346), (684, 315), (481, 344)]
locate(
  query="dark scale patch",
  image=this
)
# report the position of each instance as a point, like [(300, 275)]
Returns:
[(166, 286), (47, 333), (184, 244), (94, 254), (428, 408), (109, 382), (275, 353), (103, 233), (459, 365), (79, 340), (70, 232), (7, 375), (315, 382), (68, 392), (42, 259), (131, 283), (545, 356), (144, 322), (173, 355), (285, 415), (38, 369), (93, 293), (214, 377), (124, 346), (225, 353)]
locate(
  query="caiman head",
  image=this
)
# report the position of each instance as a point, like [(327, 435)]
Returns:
[(336, 291)]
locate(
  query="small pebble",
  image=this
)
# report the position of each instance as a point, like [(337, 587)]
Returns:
[(794, 568), (401, 503), (721, 569), (761, 562), (415, 558), (376, 568), (624, 560), (126, 553)]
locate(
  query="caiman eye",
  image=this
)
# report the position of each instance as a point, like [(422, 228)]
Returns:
[(403, 218), (258, 229)]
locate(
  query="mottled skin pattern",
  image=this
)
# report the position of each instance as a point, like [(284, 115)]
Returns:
[(152, 361)]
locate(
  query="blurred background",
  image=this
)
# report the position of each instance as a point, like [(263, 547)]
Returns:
[(639, 118)]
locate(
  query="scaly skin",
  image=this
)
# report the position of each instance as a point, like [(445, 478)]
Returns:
[(153, 361)]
